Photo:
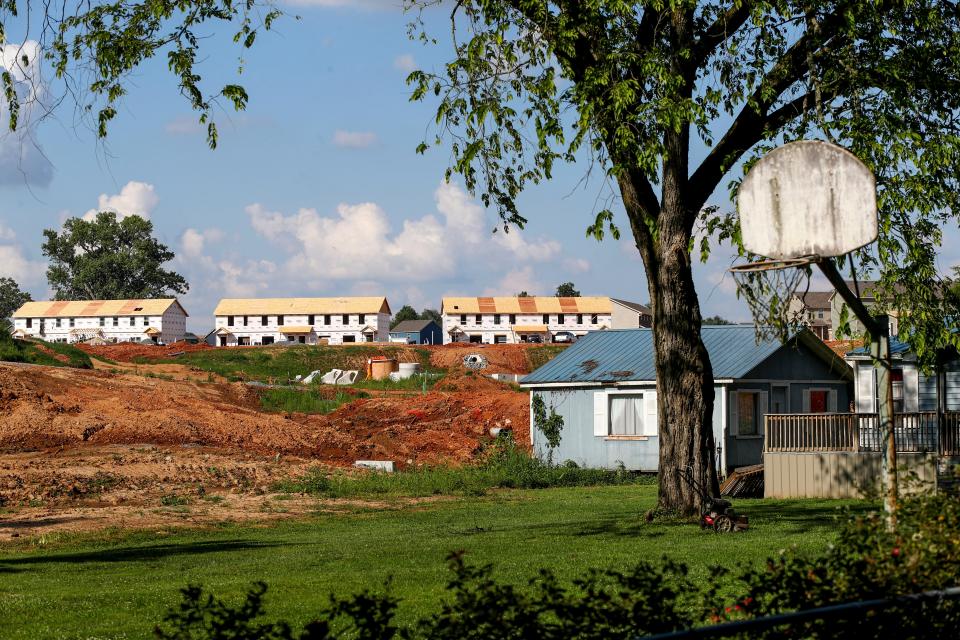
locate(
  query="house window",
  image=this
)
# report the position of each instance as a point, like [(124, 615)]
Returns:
[(345, 319), (626, 415), (229, 321), (326, 320), (513, 318), (310, 320), (59, 322), (478, 319), (747, 414), (561, 318), (595, 319), (496, 318), (264, 321), (116, 321), (244, 320), (349, 338), (896, 379), (362, 318), (463, 318), (73, 322), (580, 318), (546, 318), (29, 323), (103, 321)]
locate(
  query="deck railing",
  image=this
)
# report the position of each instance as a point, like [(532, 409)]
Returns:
[(913, 432)]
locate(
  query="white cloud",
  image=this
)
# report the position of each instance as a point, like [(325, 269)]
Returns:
[(22, 160), (405, 63), (135, 198), (193, 242), (577, 265), (515, 281), (354, 139), (15, 264), (360, 243)]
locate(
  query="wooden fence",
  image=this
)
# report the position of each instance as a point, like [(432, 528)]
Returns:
[(914, 432)]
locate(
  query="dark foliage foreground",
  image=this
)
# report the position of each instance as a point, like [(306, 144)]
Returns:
[(867, 562)]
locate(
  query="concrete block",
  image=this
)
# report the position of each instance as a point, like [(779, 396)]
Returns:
[(377, 465)]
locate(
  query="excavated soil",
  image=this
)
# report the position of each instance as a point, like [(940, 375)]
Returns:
[(51, 417), (501, 358), (128, 351)]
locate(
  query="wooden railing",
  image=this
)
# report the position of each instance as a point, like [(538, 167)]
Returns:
[(913, 432)]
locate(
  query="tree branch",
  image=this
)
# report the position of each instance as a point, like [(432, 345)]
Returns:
[(726, 24)]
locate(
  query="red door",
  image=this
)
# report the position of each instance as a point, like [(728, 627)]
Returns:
[(818, 401)]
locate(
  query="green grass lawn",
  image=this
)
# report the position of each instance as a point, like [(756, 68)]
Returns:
[(39, 352), (282, 362), (118, 585)]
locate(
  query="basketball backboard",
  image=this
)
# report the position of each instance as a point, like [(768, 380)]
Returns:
[(807, 198)]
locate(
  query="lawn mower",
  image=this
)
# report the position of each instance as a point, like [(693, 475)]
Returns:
[(716, 513)]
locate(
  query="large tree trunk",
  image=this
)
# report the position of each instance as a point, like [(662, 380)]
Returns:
[(684, 378)]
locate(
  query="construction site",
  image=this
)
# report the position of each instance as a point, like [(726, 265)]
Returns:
[(117, 444)]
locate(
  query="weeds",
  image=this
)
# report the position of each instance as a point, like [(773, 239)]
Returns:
[(305, 401), (174, 500), (505, 466)]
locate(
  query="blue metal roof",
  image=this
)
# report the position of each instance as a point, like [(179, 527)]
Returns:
[(896, 348), (627, 354)]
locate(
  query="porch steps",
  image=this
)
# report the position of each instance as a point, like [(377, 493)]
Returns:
[(745, 482)]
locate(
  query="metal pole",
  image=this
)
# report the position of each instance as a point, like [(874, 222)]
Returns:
[(879, 329)]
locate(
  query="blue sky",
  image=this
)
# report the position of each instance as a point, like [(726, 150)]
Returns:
[(315, 189)]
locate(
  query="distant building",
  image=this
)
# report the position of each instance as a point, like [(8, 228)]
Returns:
[(158, 320), (510, 320), (813, 309), (866, 291), (263, 321), (417, 332), (630, 315)]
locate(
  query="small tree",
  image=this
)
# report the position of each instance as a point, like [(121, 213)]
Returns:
[(406, 313), (549, 423), (109, 259), (11, 299), (715, 320), (431, 314), (523, 294), (567, 290)]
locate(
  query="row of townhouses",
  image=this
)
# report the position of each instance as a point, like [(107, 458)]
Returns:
[(264, 321), (820, 311)]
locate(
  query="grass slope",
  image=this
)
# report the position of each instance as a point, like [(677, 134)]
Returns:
[(539, 356), (54, 354), (282, 363), (113, 585)]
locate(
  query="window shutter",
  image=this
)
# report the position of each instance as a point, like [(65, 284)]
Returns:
[(600, 427), (650, 409), (865, 388), (806, 400), (734, 416), (763, 407), (832, 401), (911, 388)]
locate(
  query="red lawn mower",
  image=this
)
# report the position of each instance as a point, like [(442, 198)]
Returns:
[(716, 513)]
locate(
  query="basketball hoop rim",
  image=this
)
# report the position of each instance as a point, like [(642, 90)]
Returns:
[(775, 264)]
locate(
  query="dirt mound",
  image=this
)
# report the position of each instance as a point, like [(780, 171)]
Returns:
[(501, 358), (47, 407), (128, 351)]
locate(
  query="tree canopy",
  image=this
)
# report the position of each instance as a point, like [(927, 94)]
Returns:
[(567, 290), (405, 313), (109, 259), (716, 320), (11, 299)]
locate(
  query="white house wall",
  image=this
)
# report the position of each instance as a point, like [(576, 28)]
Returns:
[(172, 326), (488, 330), (255, 331)]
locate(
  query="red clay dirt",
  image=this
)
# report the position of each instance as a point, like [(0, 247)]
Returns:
[(128, 351), (50, 412)]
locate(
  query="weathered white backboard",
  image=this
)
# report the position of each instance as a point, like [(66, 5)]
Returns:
[(807, 198)]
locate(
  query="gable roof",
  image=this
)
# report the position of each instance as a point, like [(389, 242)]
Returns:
[(300, 306), (96, 308), (897, 348), (412, 326), (639, 308), (527, 304), (816, 299), (627, 355)]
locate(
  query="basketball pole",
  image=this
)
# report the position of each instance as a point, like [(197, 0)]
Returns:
[(879, 329)]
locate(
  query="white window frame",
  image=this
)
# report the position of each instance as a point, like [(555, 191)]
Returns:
[(601, 413)]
